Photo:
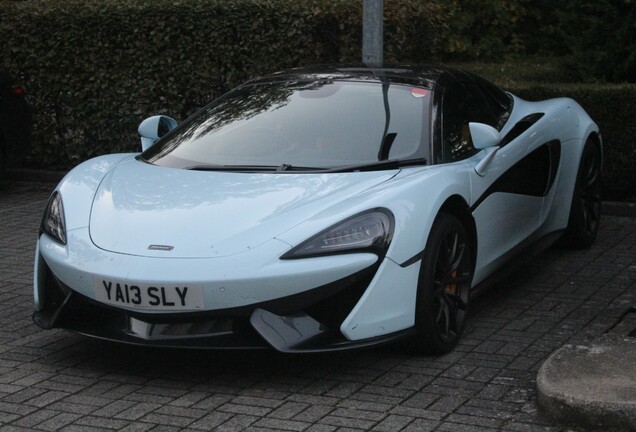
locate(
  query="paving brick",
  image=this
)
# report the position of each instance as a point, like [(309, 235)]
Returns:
[(420, 425), (458, 427), (321, 428), (313, 413), (448, 403), (475, 420), (258, 402), (114, 408), (344, 390), (88, 400), (288, 410), (358, 414), (181, 412), (23, 395), (347, 422), (11, 428), (421, 400), (395, 392), (101, 422), (211, 421), (32, 378), (530, 427), (64, 406), (120, 391), (484, 413), (99, 388), (212, 402), (57, 422), (163, 419), (84, 428), (313, 400), (237, 423), (148, 398), (282, 425), (244, 409), (362, 396), (10, 388), (35, 418), (16, 408), (365, 406), (392, 423), (8, 418), (136, 411), (418, 413), (189, 399), (458, 371), (46, 398)]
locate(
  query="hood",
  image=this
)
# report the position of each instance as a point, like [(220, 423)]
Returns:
[(206, 213)]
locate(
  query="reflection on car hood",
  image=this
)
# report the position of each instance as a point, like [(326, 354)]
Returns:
[(209, 214)]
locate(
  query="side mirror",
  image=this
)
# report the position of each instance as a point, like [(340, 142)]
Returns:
[(154, 128), (483, 135)]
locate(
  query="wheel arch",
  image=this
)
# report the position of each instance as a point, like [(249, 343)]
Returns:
[(458, 207), (595, 136)]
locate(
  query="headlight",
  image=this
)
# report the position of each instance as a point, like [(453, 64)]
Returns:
[(370, 231), (53, 220)]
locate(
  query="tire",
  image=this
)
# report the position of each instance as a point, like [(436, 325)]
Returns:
[(2, 155), (443, 287), (585, 211)]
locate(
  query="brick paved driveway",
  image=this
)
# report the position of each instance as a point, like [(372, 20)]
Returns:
[(54, 380)]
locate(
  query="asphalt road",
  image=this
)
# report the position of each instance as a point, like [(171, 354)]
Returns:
[(55, 380)]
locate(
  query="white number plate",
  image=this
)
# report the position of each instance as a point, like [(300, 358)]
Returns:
[(151, 296)]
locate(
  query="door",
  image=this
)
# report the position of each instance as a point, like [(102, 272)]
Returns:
[(506, 200)]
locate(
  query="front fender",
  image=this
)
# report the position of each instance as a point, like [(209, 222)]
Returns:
[(79, 185)]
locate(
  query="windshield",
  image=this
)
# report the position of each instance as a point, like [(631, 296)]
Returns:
[(303, 126)]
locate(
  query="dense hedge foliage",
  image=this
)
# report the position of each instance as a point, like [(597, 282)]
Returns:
[(485, 28), (597, 36), (94, 69), (601, 35)]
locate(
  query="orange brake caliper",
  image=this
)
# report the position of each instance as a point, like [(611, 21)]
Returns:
[(452, 288)]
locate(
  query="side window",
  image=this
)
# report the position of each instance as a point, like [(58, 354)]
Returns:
[(499, 102), (462, 103)]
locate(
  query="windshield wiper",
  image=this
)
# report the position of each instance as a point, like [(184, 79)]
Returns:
[(381, 165), (254, 168), (232, 168), (286, 168), (289, 167)]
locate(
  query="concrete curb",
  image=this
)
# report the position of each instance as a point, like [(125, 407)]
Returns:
[(593, 384)]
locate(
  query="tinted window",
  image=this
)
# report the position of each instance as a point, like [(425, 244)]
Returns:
[(499, 102), (462, 103), (321, 124)]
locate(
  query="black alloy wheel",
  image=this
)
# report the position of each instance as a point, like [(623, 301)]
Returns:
[(443, 288), (585, 212)]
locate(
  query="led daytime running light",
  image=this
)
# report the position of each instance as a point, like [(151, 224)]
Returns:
[(369, 231)]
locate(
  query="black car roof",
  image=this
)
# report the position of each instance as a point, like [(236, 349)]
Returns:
[(425, 76)]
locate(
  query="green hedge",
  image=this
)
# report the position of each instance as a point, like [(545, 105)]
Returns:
[(95, 69), (600, 35)]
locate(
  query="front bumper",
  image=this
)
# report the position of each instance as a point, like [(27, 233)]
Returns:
[(308, 321)]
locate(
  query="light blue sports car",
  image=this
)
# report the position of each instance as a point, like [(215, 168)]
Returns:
[(317, 209)]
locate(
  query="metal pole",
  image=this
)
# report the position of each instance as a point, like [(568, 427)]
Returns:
[(372, 32)]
